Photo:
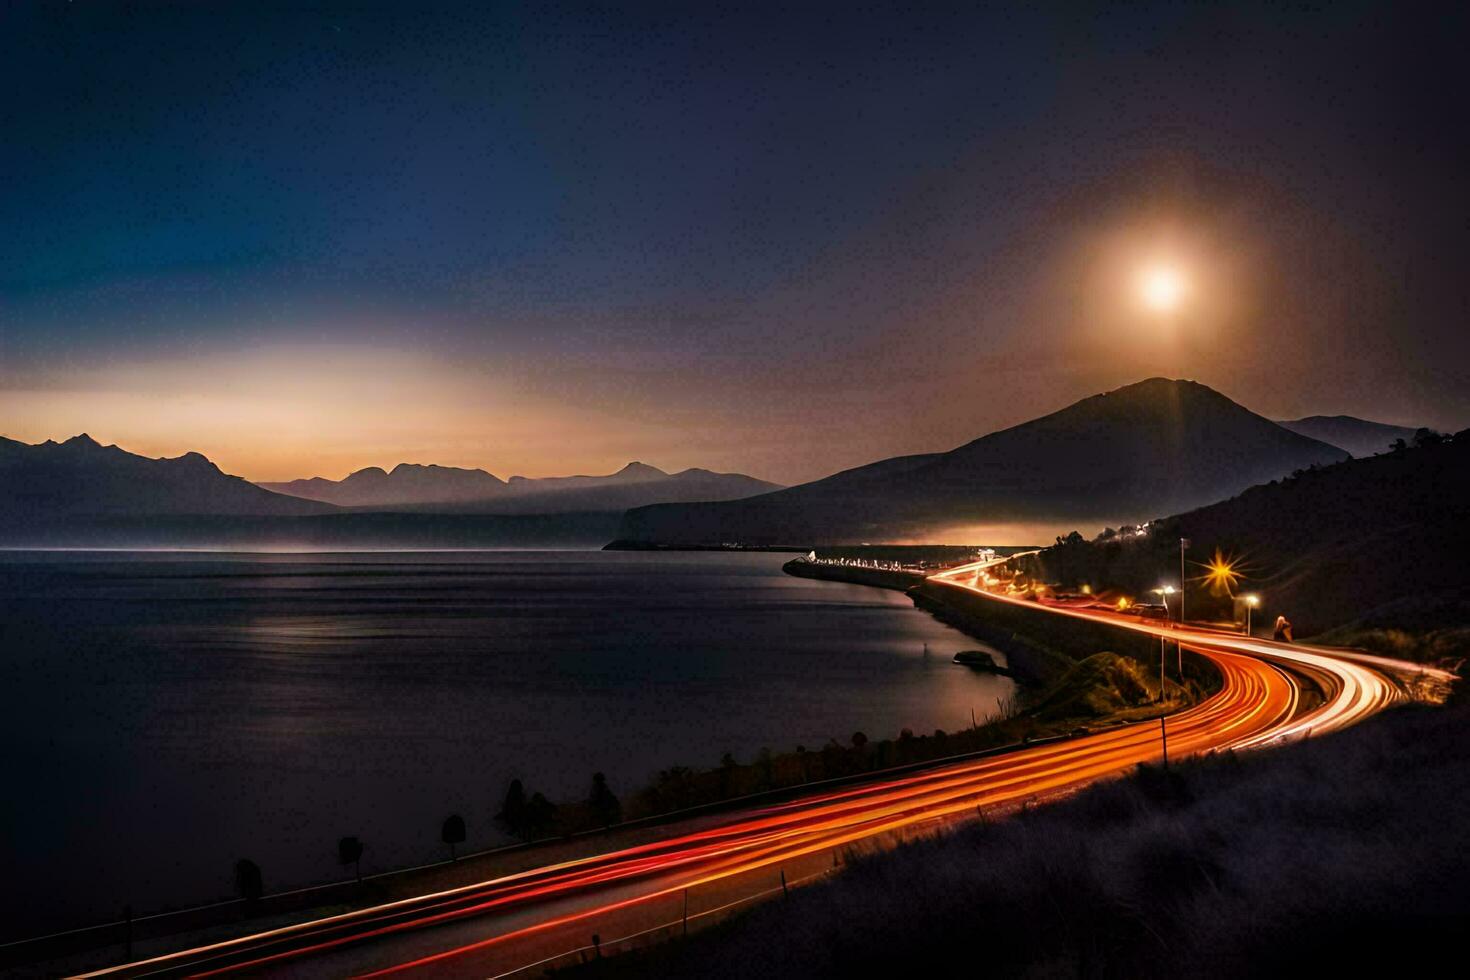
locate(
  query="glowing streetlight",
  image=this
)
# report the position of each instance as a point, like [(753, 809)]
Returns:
[(1251, 602), (1222, 572)]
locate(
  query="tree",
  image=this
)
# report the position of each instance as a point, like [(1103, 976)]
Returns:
[(859, 740), (727, 775), (1427, 437), (248, 880), (512, 815), (349, 851), (452, 833), (540, 816), (602, 804), (765, 768)]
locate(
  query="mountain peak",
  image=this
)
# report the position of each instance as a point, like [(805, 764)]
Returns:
[(640, 469), (1159, 445), (83, 441)]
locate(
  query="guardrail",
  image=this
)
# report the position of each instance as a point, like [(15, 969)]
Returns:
[(157, 924)]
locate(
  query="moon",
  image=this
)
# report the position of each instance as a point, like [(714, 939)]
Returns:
[(1162, 288)]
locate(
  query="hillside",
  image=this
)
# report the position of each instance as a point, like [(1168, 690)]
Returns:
[(1270, 864), (1379, 541), (79, 479), (1148, 448), (1356, 436)]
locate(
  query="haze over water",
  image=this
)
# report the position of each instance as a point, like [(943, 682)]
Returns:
[(166, 714)]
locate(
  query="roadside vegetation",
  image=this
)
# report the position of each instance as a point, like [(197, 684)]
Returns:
[(1075, 677), (1334, 854)]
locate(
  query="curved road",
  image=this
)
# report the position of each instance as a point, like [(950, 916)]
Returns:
[(500, 926)]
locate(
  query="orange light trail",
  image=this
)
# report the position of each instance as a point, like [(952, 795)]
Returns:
[(1259, 703)]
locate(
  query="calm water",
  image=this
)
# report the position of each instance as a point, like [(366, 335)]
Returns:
[(166, 714)]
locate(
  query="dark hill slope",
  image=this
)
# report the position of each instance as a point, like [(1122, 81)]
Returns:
[(1152, 447), (1368, 538)]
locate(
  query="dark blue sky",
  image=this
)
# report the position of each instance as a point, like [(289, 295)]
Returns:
[(541, 240)]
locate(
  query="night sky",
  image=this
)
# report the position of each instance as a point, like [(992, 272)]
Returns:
[(782, 242)]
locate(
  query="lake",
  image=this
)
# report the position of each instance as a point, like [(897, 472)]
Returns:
[(165, 714)]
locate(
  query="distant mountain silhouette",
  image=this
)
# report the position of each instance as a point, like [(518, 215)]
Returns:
[(1357, 436), (80, 479), (448, 490), (634, 472), (409, 483), (1158, 446), (635, 485)]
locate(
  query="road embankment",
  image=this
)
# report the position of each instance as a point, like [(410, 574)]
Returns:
[(1039, 648), (882, 578)]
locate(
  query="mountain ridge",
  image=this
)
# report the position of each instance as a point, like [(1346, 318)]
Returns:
[(416, 487), (1155, 446), (1360, 437), (81, 477)]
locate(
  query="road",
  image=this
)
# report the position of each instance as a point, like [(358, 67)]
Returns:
[(506, 925)]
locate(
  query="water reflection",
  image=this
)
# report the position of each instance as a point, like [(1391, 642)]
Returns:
[(171, 713)]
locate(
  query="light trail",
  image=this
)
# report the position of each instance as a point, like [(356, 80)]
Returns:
[(1259, 703)]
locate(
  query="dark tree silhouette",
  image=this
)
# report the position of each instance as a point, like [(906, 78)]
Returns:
[(512, 815), (765, 768), (727, 775), (859, 740), (452, 833), (1427, 437), (349, 851), (540, 816), (602, 804), (248, 881)]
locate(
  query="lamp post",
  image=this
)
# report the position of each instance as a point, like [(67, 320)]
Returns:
[(1251, 602), (1183, 543), (1163, 592)]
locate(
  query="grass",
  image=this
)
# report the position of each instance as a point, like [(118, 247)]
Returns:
[(1348, 851)]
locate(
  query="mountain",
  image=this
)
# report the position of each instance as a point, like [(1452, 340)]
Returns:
[(409, 483), (633, 473), (78, 478), (1158, 446), (1357, 436), (636, 485), (448, 490)]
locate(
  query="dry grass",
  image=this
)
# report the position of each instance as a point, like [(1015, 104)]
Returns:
[(1350, 851)]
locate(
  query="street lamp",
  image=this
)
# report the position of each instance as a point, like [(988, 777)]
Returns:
[(1251, 602), (1163, 592)]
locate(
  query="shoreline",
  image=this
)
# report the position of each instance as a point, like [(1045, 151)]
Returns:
[(849, 765)]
